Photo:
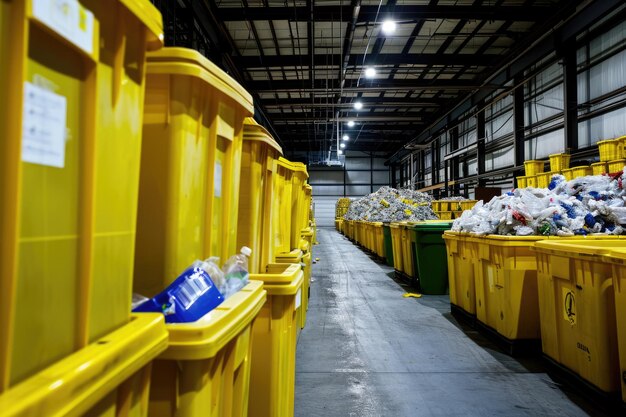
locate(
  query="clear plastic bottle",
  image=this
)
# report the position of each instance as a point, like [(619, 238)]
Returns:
[(236, 272)]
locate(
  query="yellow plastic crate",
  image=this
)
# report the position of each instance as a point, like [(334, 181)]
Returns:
[(339, 225), (533, 167), (467, 204), (110, 377), (303, 258), (568, 174), (396, 244), (581, 171), (462, 251), (273, 370), (616, 166), (436, 205), (559, 161), (206, 367), (445, 215), (617, 259), (599, 168), (190, 166), (577, 305), (531, 181), (258, 163), (522, 182), (610, 150), (543, 179), (70, 127)]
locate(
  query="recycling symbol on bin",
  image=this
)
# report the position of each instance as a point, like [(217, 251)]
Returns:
[(570, 307)]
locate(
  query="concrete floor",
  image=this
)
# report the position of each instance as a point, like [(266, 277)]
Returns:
[(367, 351)]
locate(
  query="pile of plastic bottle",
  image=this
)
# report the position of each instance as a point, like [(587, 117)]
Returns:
[(586, 205), (392, 205)]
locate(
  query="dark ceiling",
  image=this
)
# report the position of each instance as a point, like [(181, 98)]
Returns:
[(304, 61)]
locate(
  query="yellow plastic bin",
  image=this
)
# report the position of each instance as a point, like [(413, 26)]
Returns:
[(110, 377), (396, 244), (577, 306), (616, 166), (379, 239), (408, 240), (522, 182), (258, 164), (599, 168), (72, 85), (300, 204), (282, 213), (436, 205), (531, 181), (445, 215), (534, 167), (462, 251), (559, 161), (274, 333), (617, 259), (303, 258), (610, 150), (207, 366), (190, 166), (506, 286)]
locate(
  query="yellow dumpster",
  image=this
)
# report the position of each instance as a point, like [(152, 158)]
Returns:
[(577, 306), (206, 367), (617, 259), (110, 377), (274, 352), (190, 166), (282, 217), (70, 127), (396, 244), (462, 252), (258, 164)]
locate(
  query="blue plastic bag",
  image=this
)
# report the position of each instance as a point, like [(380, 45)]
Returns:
[(192, 295)]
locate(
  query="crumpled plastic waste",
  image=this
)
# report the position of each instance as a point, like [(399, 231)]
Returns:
[(392, 205), (585, 205)]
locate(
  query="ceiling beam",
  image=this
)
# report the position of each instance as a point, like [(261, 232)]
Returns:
[(356, 60), (370, 117), (400, 13), (298, 129), (347, 102), (364, 86)]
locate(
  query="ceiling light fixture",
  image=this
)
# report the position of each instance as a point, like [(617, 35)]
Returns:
[(339, 152), (389, 26), (351, 123), (343, 145), (345, 137), (370, 72), (358, 105)]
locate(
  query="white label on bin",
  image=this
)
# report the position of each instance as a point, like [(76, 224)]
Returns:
[(217, 182), (69, 19), (43, 126), (298, 299)]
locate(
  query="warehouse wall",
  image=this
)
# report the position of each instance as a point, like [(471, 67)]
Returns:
[(488, 129), (361, 174)]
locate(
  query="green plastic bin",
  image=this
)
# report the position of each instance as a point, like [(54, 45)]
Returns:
[(430, 256), (388, 245)]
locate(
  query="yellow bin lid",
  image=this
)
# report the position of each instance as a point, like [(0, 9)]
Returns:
[(187, 62)]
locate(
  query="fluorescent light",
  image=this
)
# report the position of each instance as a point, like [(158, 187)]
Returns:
[(345, 137), (351, 123), (389, 26), (343, 145), (370, 72), (339, 152), (358, 105)]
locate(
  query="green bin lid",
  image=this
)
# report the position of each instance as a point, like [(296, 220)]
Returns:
[(432, 227)]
